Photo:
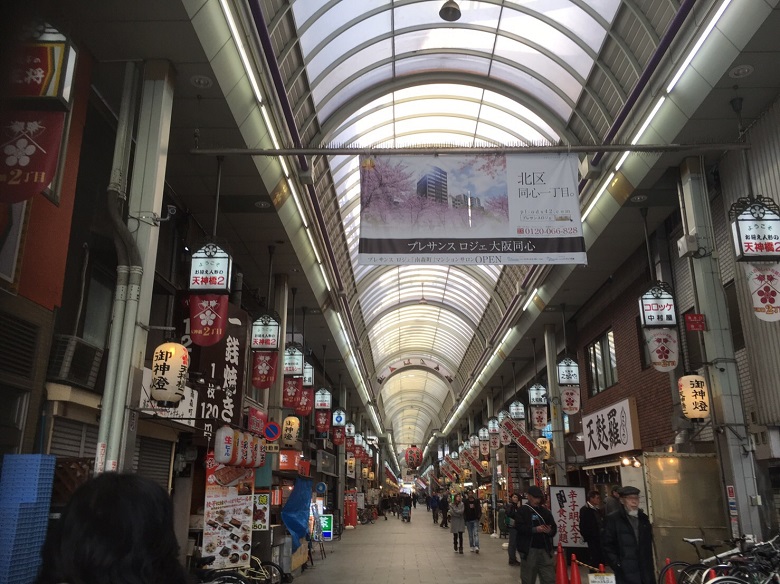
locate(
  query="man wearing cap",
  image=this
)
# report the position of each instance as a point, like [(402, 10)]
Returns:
[(627, 541), (612, 503), (535, 532)]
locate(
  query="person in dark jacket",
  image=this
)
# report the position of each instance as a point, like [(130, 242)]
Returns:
[(434, 505), (444, 507), (511, 518), (627, 541), (471, 514), (535, 532), (591, 522)]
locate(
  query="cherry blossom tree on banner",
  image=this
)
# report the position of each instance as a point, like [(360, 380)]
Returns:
[(381, 188)]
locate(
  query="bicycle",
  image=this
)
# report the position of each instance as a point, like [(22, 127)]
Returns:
[(206, 575), (366, 516), (264, 572)]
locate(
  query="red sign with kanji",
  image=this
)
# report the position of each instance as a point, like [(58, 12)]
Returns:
[(695, 322)]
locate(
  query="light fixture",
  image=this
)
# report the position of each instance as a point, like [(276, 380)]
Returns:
[(636, 463), (201, 81), (626, 461), (450, 11), (422, 299), (741, 71)]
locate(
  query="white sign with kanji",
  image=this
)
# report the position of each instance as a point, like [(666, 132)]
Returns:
[(611, 430), (565, 504)]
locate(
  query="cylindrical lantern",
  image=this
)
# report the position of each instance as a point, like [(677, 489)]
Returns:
[(339, 418), (244, 449), (225, 444), (495, 441), (258, 452), (485, 464), (170, 363), (544, 445), (694, 397), (570, 399), (413, 457), (322, 420), (517, 410), (371, 476), (338, 436), (290, 430), (539, 417)]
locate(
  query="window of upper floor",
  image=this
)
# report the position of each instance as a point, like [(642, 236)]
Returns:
[(602, 364)]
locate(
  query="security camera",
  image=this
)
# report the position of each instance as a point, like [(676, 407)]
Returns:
[(171, 209)]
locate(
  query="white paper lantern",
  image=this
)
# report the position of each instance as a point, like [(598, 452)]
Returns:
[(694, 397), (544, 445), (290, 430), (225, 445), (170, 363)]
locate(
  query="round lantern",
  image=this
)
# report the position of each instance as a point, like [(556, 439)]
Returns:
[(493, 425), (544, 445), (170, 363), (258, 452), (413, 457), (290, 429), (364, 472), (485, 464), (338, 436), (517, 410), (694, 397), (225, 445)]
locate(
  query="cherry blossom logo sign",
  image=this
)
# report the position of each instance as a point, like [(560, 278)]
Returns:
[(764, 283)]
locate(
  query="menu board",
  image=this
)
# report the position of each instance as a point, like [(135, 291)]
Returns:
[(227, 522), (260, 521)]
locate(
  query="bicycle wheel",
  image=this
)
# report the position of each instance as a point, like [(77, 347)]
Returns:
[(227, 578), (274, 573), (694, 574), (727, 580), (675, 567)]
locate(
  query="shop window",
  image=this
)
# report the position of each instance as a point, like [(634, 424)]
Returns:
[(97, 316), (602, 365)]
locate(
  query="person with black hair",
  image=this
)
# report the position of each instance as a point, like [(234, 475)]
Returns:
[(591, 522), (535, 532), (117, 529)]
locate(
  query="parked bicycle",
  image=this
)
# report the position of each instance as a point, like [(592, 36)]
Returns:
[(258, 572)]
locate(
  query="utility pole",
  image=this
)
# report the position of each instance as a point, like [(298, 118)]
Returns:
[(556, 413)]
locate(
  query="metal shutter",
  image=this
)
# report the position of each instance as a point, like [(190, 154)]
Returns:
[(72, 439), (154, 460)]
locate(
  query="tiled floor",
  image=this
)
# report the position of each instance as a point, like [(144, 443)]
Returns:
[(418, 552)]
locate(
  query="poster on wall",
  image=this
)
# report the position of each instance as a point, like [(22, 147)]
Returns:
[(565, 504), (228, 514), (611, 430), (262, 512), (185, 412), (466, 210)]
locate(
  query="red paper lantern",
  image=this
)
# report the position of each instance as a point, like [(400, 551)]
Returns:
[(338, 436), (306, 401), (413, 457), (291, 394)]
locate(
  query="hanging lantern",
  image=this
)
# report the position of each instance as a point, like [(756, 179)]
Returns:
[(493, 425), (322, 420), (305, 401), (485, 464), (290, 429), (244, 454), (413, 457), (517, 410), (544, 445), (338, 436), (495, 441), (258, 452), (339, 418), (364, 472), (570, 399), (539, 417), (211, 270), (568, 372), (291, 392), (694, 397), (466, 474), (170, 363), (504, 436), (755, 229), (264, 367), (349, 429), (662, 346), (764, 285), (656, 306), (265, 333), (225, 445), (484, 447), (371, 476), (322, 399), (537, 395)]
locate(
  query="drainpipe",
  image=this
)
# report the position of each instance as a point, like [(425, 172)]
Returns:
[(116, 198), (660, 51)]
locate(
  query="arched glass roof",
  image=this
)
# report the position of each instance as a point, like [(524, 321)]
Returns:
[(386, 73)]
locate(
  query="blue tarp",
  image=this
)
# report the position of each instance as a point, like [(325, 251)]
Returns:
[(295, 513)]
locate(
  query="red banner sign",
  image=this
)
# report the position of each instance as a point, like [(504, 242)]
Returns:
[(322, 420), (446, 472), (695, 322), (305, 401), (264, 367), (521, 438), (349, 444), (208, 318), (291, 392), (475, 464), (30, 142), (454, 465)]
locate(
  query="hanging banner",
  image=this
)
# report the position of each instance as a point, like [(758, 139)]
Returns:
[(447, 473), (305, 401), (662, 347), (322, 420), (264, 365), (505, 209), (521, 438), (484, 447), (565, 505), (208, 318), (291, 392), (539, 417), (454, 465), (229, 510), (570, 399), (338, 436), (495, 441), (764, 284), (475, 464), (537, 395), (349, 444), (611, 430), (504, 436), (31, 143)]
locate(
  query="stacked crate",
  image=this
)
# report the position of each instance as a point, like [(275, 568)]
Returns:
[(25, 496)]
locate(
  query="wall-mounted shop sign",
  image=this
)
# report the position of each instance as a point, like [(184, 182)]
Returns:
[(611, 430)]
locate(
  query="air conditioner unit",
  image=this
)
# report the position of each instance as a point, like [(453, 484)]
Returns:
[(74, 361)]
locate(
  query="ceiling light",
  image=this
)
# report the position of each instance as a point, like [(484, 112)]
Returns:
[(638, 198), (201, 81), (450, 11), (741, 71), (262, 204), (422, 299)]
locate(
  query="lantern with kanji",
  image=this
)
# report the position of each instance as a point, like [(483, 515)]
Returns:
[(544, 445), (322, 420), (338, 435), (226, 445), (413, 457), (290, 429), (170, 363), (694, 397), (484, 441)]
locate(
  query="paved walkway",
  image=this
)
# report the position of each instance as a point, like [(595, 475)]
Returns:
[(418, 552)]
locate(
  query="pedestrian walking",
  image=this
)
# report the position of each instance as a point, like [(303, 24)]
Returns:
[(434, 504), (457, 523), (511, 517), (535, 532), (591, 523), (627, 541), (472, 511), (444, 508)]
